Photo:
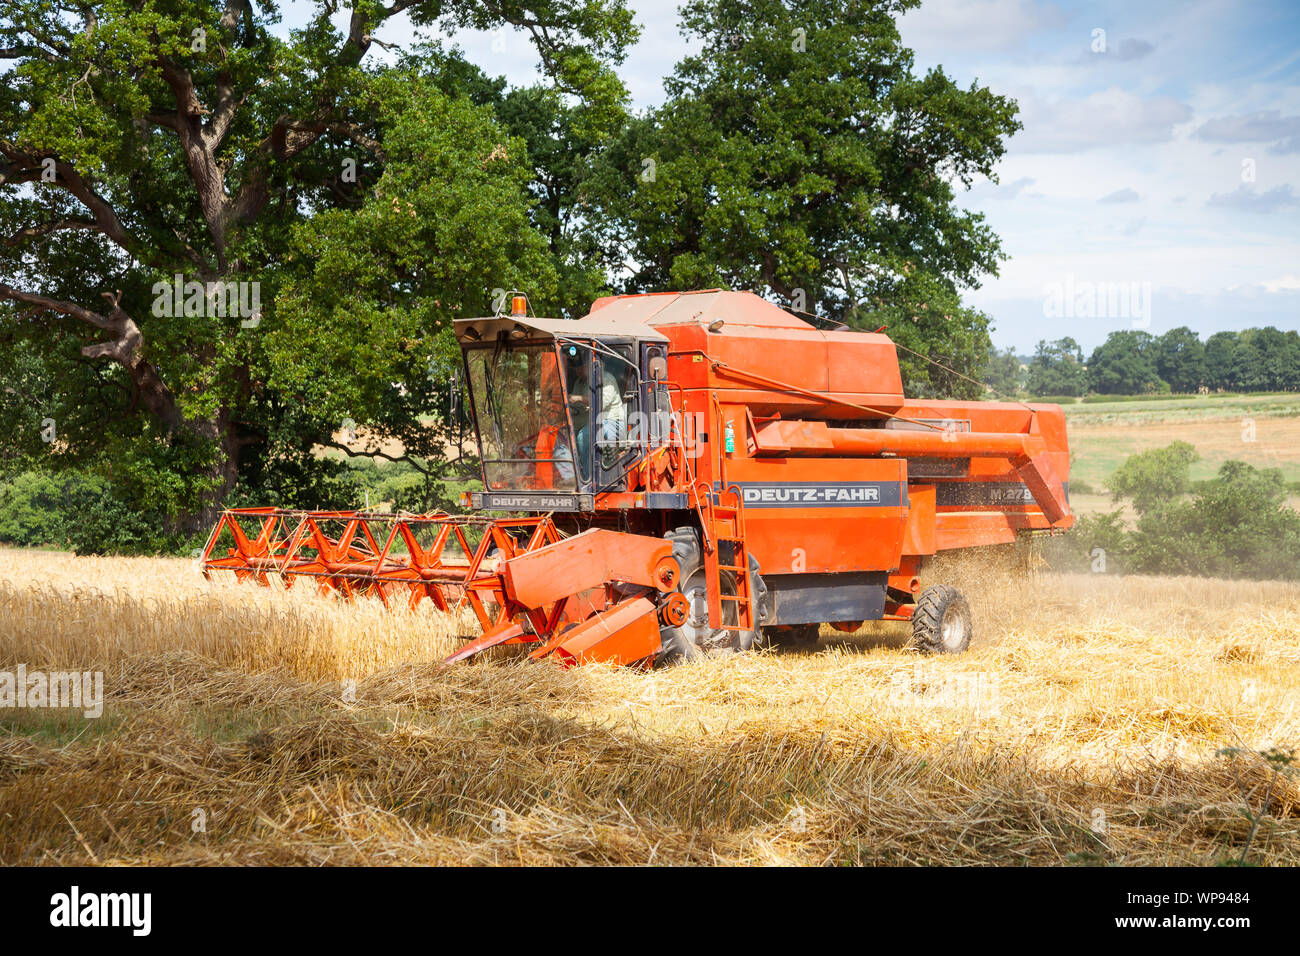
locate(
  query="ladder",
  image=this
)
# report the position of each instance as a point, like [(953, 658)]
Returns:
[(724, 522)]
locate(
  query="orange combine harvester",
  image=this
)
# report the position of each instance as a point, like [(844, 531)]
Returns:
[(697, 473)]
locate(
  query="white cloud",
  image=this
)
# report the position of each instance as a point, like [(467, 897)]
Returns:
[(1003, 191), (1132, 48), (1247, 199), (976, 24), (1120, 195), (1263, 126), (1112, 117)]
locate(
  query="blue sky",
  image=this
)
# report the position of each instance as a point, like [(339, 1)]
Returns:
[(1165, 159), (1134, 164)]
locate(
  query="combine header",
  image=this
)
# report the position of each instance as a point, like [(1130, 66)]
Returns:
[(700, 472)]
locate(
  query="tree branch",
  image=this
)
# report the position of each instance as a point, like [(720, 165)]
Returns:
[(26, 49), (288, 138), (167, 120), (32, 232), (227, 104), (126, 348), (407, 459), (30, 168), (208, 178)]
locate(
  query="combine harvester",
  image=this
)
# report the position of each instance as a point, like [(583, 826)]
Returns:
[(699, 473)]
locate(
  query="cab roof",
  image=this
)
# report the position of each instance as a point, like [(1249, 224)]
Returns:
[(696, 308), (470, 331), (639, 317)]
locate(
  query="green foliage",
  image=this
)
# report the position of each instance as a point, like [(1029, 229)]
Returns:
[(1057, 369), (1003, 373), (579, 42), (1266, 360), (182, 141), (1126, 365), (1133, 364), (369, 294), (1221, 360), (1155, 476), (297, 482), (82, 513), (105, 521), (562, 150), (33, 509), (1236, 525), (1180, 360)]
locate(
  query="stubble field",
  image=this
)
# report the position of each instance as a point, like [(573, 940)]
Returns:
[(252, 725)]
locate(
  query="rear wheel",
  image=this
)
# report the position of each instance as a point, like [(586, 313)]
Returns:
[(941, 621), (694, 638)]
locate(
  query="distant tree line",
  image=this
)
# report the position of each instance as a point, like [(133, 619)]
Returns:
[(1133, 362)]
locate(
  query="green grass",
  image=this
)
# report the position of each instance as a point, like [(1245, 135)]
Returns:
[(57, 727), (1184, 407), (225, 724), (1094, 460), (1162, 396)]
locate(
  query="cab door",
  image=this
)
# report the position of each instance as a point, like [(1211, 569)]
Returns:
[(617, 415), (656, 410)]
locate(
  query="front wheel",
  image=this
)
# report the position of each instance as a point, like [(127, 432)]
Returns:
[(694, 638), (941, 621)]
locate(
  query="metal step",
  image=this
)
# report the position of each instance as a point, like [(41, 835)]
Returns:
[(726, 526)]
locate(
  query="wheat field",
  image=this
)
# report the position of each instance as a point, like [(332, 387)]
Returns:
[(247, 725)]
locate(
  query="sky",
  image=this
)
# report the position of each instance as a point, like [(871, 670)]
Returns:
[(1156, 182)]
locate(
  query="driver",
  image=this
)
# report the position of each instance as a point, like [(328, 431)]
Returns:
[(613, 411)]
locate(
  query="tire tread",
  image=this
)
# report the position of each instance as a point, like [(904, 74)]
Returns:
[(927, 618)]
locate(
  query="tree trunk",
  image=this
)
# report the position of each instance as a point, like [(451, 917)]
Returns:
[(224, 471)]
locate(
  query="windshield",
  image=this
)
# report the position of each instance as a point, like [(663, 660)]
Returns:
[(519, 401)]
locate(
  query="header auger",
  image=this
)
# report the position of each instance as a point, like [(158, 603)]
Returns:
[(697, 473)]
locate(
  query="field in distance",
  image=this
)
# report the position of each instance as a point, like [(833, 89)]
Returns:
[(1103, 434)]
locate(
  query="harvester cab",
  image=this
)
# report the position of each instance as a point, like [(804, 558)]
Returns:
[(690, 474), (562, 413)]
